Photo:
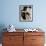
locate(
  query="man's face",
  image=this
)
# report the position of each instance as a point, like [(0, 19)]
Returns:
[(29, 10)]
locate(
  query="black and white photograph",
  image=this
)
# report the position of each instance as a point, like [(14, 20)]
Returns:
[(25, 13)]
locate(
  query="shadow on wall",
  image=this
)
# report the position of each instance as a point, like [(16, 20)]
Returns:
[(2, 26)]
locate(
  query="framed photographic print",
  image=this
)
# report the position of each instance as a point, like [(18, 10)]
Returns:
[(25, 13)]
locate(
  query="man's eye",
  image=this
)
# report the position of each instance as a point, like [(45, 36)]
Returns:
[(28, 13)]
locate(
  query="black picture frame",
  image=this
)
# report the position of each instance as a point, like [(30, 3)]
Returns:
[(26, 13)]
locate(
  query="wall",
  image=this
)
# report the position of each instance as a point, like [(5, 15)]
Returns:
[(10, 13)]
